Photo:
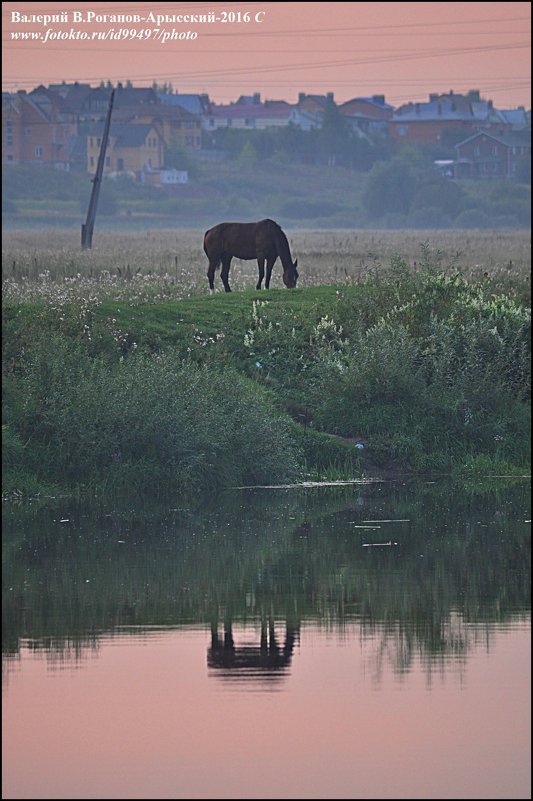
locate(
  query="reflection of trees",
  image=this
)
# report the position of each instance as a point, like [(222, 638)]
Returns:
[(285, 556)]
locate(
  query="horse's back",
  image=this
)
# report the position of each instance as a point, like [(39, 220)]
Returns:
[(242, 240)]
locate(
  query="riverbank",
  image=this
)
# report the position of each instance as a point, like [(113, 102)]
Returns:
[(402, 373)]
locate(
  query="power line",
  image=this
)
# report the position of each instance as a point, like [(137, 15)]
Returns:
[(323, 64)]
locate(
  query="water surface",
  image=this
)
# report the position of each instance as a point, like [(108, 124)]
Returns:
[(354, 642)]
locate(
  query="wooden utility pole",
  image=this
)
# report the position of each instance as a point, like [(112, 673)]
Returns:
[(87, 229)]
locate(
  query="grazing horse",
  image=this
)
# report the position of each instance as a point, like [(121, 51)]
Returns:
[(263, 240)]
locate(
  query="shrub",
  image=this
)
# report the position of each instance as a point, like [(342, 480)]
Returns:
[(151, 420)]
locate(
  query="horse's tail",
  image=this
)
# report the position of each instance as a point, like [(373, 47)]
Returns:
[(205, 241)]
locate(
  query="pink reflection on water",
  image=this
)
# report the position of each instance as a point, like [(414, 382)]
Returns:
[(148, 717)]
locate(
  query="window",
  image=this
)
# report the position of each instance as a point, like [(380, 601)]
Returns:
[(477, 151), (495, 150), (10, 158), (189, 140), (108, 161), (38, 151), (189, 124), (91, 161)]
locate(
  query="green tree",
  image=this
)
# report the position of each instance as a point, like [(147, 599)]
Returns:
[(334, 135), (177, 157), (390, 187), (248, 155), (439, 193)]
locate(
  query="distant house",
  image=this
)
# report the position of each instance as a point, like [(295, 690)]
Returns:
[(518, 118), (90, 104), (370, 115), (174, 123), (426, 123), (492, 156), (165, 176), (311, 109), (193, 103), (249, 116), (35, 129), (131, 148)]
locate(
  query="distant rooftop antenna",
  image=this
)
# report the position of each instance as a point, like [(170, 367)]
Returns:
[(87, 229)]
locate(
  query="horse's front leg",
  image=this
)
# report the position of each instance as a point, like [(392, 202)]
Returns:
[(224, 273), (261, 265), (270, 264)]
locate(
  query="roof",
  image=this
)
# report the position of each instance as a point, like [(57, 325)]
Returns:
[(321, 100), (194, 104), (512, 139), (517, 117), (126, 135), (155, 112), (447, 109), (428, 111), (375, 100), (270, 108)]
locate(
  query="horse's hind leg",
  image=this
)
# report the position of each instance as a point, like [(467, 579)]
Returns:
[(213, 264), (224, 273), (261, 265)]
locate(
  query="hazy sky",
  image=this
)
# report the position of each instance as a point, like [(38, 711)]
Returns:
[(401, 50)]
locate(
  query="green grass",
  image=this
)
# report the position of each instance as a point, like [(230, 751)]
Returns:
[(429, 369)]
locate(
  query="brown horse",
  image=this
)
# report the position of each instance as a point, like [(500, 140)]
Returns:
[(263, 240)]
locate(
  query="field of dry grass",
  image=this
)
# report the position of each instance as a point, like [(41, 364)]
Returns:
[(152, 265)]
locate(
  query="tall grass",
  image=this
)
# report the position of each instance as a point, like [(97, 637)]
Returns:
[(154, 266), (430, 371), (146, 422)]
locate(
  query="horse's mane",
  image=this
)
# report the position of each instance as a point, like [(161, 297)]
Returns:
[(282, 243)]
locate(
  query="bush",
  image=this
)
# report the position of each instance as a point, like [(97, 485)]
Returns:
[(150, 420), (445, 373), (390, 187)]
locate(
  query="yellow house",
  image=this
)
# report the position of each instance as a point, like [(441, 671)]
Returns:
[(173, 123), (130, 148)]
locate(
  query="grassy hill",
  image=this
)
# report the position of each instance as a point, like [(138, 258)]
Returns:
[(429, 372)]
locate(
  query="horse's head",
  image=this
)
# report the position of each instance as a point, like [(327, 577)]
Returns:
[(290, 276)]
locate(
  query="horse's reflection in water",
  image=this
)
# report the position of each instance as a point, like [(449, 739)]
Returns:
[(264, 661)]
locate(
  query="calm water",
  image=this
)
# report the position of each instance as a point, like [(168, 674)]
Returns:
[(356, 642)]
